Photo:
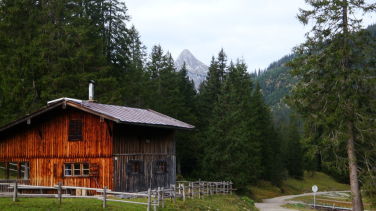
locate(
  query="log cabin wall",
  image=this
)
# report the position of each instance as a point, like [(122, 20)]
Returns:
[(44, 144), (137, 153)]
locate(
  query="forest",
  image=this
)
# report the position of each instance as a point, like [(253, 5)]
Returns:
[(247, 127)]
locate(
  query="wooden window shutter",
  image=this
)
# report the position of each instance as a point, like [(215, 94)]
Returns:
[(55, 170), (75, 130), (129, 167), (94, 170)]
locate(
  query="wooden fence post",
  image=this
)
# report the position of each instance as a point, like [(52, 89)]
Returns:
[(199, 189), (162, 196), (183, 192), (190, 190), (158, 194), (155, 202), (149, 199), (223, 188), (15, 187), (104, 197), (230, 187), (59, 192)]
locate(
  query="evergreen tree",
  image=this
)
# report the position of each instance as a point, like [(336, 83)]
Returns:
[(210, 88), (264, 132), (336, 91), (231, 151), (294, 154)]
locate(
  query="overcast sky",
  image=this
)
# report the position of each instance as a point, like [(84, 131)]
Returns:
[(259, 31)]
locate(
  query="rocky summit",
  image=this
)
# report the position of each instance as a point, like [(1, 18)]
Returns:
[(197, 70)]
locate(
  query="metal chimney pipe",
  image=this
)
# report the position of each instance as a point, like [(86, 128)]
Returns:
[(91, 90)]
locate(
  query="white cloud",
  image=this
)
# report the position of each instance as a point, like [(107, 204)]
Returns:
[(259, 31)]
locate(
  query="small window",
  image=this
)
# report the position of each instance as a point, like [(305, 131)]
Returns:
[(68, 170), (85, 169), (134, 167), (14, 170), (3, 170), (75, 130), (76, 169), (24, 170), (160, 166)]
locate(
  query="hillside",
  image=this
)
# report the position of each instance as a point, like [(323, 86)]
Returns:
[(276, 83)]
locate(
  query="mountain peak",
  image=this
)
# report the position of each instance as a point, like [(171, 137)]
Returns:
[(196, 70)]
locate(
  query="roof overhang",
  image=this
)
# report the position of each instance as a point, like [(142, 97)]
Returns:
[(74, 103)]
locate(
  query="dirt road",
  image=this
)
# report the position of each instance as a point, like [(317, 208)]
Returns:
[(274, 204)]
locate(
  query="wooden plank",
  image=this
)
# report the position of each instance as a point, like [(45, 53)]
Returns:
[(131, 202)]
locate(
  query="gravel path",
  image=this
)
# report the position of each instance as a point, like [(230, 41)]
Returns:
[(274, 204)]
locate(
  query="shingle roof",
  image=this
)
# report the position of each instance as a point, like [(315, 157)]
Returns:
[(123, 114), (119, 114), (135, 115)]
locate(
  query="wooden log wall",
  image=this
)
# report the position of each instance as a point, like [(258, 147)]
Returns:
[(148, 145), (44, 144)]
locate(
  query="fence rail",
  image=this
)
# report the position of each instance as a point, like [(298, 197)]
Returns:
[(155, 197)]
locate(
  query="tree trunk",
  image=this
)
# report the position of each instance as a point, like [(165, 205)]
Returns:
[(357, 203)]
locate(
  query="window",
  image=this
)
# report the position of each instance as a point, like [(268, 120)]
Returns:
[(160, 166), (24, 170), (3, 170), (75, 130), (76, 170), (135, 167), (85, 169), (14, 170)]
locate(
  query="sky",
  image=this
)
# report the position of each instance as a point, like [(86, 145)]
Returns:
[(259, 32)]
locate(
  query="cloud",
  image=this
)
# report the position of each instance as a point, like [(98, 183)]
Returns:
[(258, 31)]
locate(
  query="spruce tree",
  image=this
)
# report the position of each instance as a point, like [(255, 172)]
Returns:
[(336, 87), (270, 142), (232, 152), (294, 153)]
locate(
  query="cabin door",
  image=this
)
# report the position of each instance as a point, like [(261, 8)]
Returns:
[(129, 174), (160, 173)]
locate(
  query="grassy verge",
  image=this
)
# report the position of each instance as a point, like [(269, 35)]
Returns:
[(298, 206), (218, 202), (291, 186)]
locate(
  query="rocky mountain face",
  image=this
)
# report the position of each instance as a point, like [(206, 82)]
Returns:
[(197, 70)]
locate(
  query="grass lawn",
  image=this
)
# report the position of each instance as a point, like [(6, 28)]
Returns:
[(291, 186), (218, 202)]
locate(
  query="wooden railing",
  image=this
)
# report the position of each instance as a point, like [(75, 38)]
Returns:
[(155, 197)]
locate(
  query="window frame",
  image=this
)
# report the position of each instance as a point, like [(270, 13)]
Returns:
[(73, 169), (161, 166), (18, 170), (135, 164), (75, 130)]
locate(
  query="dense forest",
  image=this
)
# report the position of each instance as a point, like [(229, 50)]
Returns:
[(52, 49), (245, 130)]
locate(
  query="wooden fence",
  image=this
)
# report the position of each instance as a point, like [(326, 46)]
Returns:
[(155, 198)]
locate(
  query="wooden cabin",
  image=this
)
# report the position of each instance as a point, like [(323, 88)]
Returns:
[(83, 143)]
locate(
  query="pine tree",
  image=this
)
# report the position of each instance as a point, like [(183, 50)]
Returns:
[(336, 87)]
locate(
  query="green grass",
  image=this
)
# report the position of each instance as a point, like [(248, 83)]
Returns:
[(323, 181), (264, 190), (298, 206), (218, 202)]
